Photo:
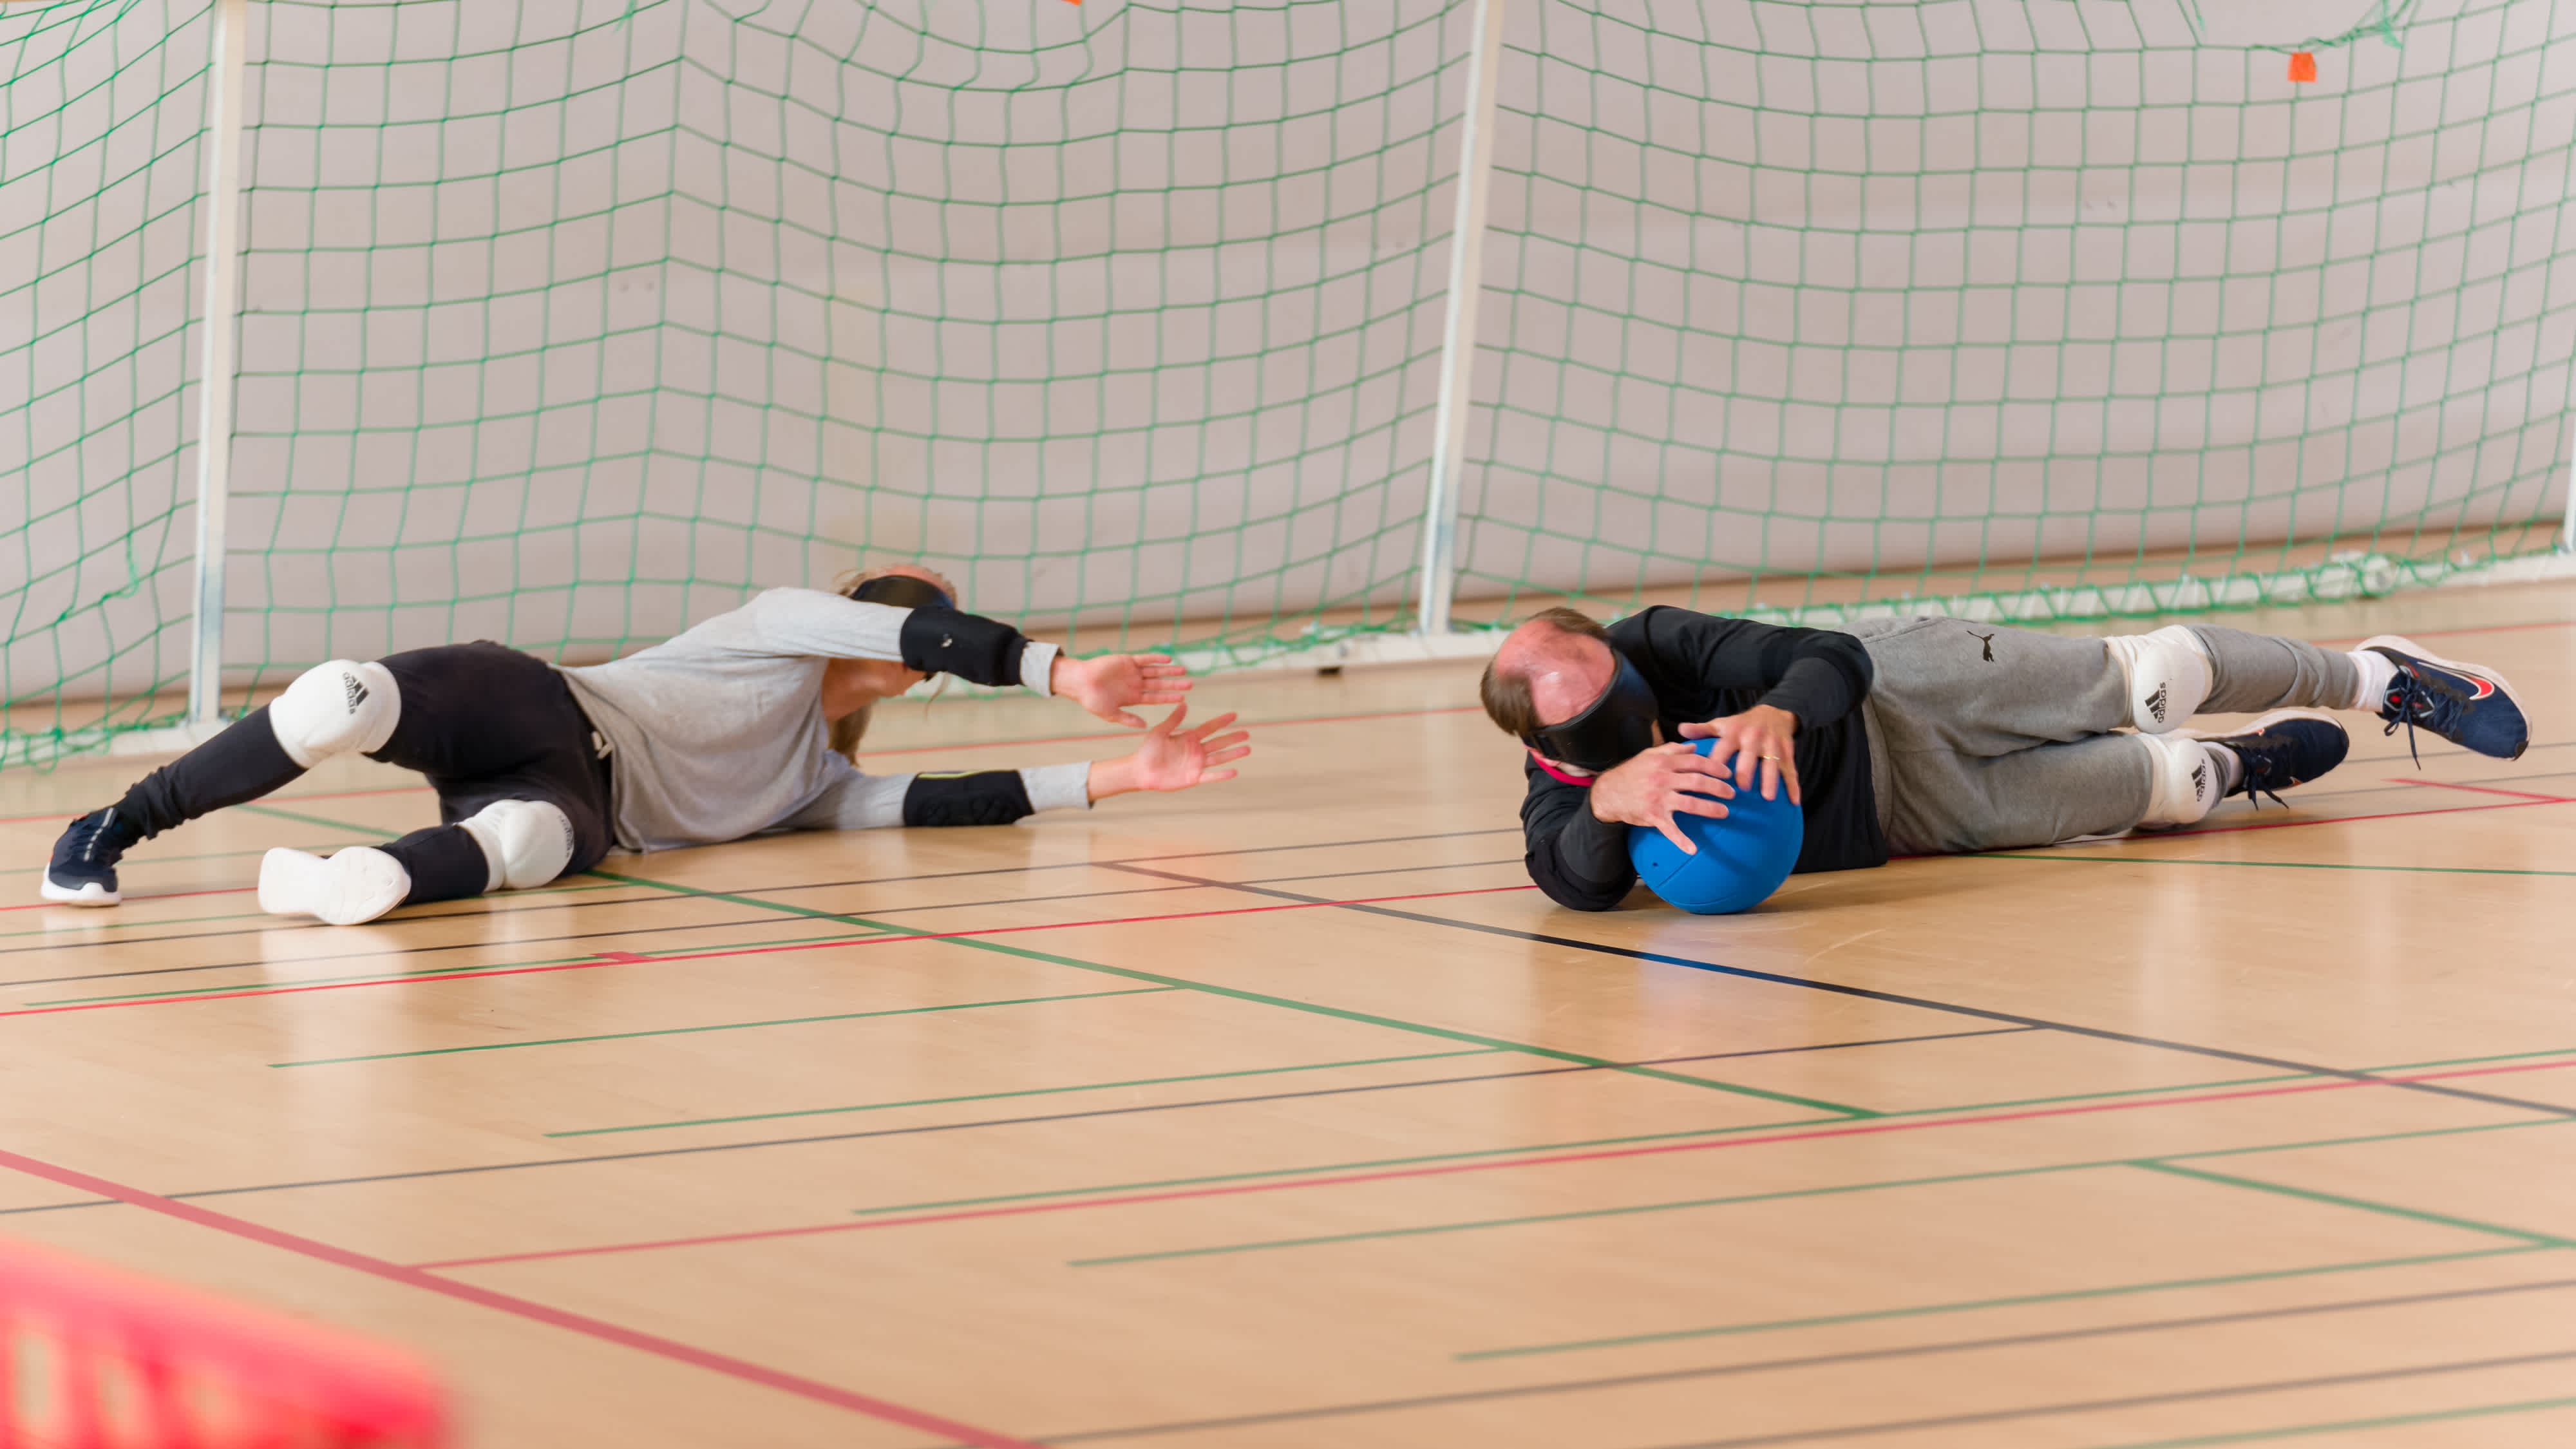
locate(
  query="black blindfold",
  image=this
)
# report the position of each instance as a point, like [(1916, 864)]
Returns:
[(1617, 727)]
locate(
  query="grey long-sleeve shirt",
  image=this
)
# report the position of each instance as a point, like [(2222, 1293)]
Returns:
[(719, 733)]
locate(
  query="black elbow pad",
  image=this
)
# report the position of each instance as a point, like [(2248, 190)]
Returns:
[(978, 797), (970, 646)]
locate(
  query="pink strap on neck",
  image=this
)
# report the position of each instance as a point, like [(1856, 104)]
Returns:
[(1554, 773)]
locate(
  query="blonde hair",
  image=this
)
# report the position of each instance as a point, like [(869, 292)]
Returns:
[(851, 728)]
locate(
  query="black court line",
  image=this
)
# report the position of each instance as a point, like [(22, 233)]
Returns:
[(620, 932), (2129, 1401), (1021, 1121), (824, 885), (403, 952), (294, 927), (1814, 1360), (488, 911), (1925, 1003)]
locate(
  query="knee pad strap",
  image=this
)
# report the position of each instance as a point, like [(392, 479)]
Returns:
[(334, 708), (2168, 675), (527, 842)]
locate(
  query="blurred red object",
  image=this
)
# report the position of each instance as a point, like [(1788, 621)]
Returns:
[(2303, 65), (97, 1358)]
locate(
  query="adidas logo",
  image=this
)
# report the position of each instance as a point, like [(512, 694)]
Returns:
[(357, 692), (2156, 704), (2199, 780)]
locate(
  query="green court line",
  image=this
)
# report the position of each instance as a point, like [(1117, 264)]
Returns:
[(2385, 1421), (1970, 1305), (151, 923), (1579, 1214), (1704, 1132), (643, 958), (1258, 1173), (2265, 864), (1289, 1003), (2545, 1240), (1472, 1224), (498, 1046), (303, 819), (1025, 1092)]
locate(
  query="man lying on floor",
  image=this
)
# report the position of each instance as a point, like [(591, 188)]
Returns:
[(1932, 736)]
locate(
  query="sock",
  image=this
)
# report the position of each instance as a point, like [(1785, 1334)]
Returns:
[(2377, 671), (2231, 766)]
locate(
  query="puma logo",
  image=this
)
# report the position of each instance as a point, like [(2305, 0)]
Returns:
[(356, 691), (1989, 641), (2156, 704)]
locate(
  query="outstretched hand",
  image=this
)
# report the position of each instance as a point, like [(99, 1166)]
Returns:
[(1172, 758), (1107, 685), (1757, 743)]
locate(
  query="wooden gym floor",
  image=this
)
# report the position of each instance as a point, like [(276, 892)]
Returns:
[(1285, 1113)]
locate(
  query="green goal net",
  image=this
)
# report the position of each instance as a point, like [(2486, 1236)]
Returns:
[(569, 323)]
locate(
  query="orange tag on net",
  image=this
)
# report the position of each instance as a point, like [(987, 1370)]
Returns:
[(2303, 65)]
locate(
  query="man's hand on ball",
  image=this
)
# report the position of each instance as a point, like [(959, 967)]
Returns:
[(1107, 685), (1757, 743), (1652, 788), (1172, 758)]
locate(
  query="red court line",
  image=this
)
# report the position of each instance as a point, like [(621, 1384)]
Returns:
[(265, 799), (2463, 629), (624, 1337), (2489, 790), (2350, 819), (1861, 1129), (163, 896), (627, 958)]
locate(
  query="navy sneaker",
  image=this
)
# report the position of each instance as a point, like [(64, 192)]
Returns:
[(2284, 748), (2472, 707), (84, 868)]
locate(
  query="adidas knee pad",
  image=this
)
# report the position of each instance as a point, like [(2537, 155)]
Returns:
[(2186, 782), (2167, 673), (527, 842), (334, 708)]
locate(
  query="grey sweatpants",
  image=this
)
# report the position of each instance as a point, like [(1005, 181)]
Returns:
[(1986, 738)]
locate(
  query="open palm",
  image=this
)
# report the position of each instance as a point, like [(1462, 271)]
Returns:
[(1172, 758), (1107, 685)]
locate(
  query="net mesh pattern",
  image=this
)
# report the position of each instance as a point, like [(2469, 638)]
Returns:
[(572, 323)]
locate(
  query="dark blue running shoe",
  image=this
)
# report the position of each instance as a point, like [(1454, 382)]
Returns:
[(84, 868), (2472, 707), (2284, 748)]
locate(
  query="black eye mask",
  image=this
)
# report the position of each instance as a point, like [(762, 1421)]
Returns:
[(1612, 729), (903, 592)]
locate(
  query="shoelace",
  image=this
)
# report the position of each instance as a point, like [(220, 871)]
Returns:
[(2256, 768), (2408, 695)]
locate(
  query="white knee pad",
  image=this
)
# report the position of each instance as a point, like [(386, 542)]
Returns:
[(527, 842), (2167, 673), (333, 708), (2187, 780)]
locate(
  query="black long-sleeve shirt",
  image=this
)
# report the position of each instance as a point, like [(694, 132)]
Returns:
[(1703, 667)]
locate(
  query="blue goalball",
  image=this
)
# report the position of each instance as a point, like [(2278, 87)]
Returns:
[(1742, 858)]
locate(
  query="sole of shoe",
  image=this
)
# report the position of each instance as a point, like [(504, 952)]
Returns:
[(361, 883), (290, 882), (91, 893), (2399, 643), (354, 886)]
